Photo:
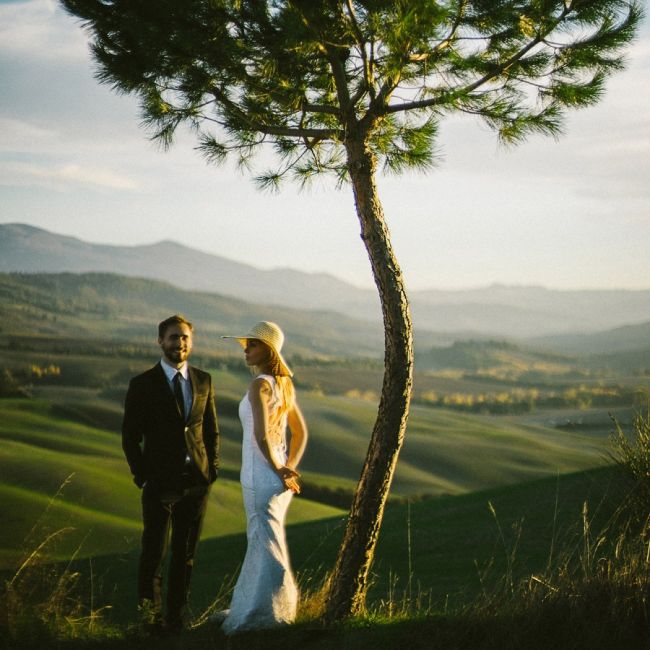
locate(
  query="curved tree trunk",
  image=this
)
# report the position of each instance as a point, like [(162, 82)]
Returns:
[(349, 580)]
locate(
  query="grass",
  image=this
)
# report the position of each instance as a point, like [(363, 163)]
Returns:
[(535, 569), (41, 449), (70, 430), (448, 632), (454, 569), (445, 451), (445, 550)]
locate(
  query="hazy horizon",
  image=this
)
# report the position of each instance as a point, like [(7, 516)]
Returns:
[(333, 274)]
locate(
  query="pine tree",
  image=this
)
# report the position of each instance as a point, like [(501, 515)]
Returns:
[(346, 87)]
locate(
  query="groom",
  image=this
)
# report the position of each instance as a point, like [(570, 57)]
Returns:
[(171, 441)]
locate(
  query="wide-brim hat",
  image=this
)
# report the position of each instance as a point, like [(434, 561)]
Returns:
[(269, 333)]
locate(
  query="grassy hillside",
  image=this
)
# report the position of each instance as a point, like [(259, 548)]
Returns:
[(472, 489), (71, 425), (96, 330), (444, 551), (44, 454), (445, 452), (74, 432)]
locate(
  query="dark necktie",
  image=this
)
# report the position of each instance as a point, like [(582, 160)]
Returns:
[(178, 394)]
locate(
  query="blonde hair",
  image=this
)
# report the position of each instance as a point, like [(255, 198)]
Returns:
[(273, 366)]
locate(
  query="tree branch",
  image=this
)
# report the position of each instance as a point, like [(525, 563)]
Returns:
[(367, 74), (269, 129), (338, 69), (321, 108), (445, 42), (427, 103)]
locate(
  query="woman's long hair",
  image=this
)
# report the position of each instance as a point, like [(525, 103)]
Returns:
[(273, 366)]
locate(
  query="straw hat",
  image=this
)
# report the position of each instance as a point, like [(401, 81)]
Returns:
[(269, 333)]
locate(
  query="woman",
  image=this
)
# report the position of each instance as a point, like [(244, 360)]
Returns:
[(266, 594)]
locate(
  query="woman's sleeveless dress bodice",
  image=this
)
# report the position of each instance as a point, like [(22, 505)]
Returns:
[(254, 467), (266, 594)]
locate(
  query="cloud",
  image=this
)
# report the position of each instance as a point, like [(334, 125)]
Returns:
[(18, 135), (37, 137), (63, 177), (38, 30)]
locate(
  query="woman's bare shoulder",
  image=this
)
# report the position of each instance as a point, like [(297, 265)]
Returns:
[(260, 386)]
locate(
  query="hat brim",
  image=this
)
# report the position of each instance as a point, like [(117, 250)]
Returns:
[(242, 341)]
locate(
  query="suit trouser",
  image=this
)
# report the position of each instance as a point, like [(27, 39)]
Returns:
[(184, 514)]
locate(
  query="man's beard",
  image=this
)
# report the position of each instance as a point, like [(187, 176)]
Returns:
[(177, 355)]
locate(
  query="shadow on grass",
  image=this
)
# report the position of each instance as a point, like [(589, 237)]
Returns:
[(444, 532), (540, 630)]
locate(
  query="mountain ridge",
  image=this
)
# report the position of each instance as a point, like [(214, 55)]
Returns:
[(64, 308), (495, 310)]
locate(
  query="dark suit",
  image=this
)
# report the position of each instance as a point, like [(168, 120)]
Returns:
[(176, 460)]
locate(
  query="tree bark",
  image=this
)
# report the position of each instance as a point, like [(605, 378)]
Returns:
[(348, 583)]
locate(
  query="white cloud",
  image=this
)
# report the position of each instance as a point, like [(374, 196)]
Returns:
[(63, 177), (56, 137), (18, 135), (40, 29)]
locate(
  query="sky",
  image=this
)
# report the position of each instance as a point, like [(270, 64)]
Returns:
[(571, 213)]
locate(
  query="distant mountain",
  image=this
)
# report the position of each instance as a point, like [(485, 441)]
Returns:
[(619, 339), (495, 311), (529, 309), (33, 250), (624, 350)]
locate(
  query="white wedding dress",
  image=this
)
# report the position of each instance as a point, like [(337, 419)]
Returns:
[(265, 594)]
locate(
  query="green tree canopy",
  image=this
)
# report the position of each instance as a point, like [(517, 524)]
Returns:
[(300, 75)]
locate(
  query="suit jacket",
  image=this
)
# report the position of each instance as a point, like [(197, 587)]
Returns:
[(156, 438)]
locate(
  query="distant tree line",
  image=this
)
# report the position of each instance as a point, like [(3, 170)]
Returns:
[(525, 400), (17, 382)]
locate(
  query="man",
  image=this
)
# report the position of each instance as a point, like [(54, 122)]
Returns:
[(171, 441)]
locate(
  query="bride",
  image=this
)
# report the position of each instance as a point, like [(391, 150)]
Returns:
[(266, 594)]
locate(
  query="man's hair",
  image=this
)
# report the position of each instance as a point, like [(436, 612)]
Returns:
[(176, 319)]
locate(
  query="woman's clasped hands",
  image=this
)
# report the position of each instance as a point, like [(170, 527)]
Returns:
[(289, 478)]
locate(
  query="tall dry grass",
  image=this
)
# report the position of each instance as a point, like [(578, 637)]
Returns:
[(595, 584), (632, 454), (45, 599)]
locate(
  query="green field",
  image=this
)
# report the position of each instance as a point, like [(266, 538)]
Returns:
[(62, 466), (44, 454), (72, 434), (444, 551)]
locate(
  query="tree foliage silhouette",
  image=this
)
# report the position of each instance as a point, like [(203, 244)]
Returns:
[(344, 87)]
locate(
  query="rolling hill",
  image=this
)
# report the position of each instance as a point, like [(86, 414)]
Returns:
[(124, 308), (109, 309), (619, 339), (58, 473), (474, 355), (73, 432), (61, 464)]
